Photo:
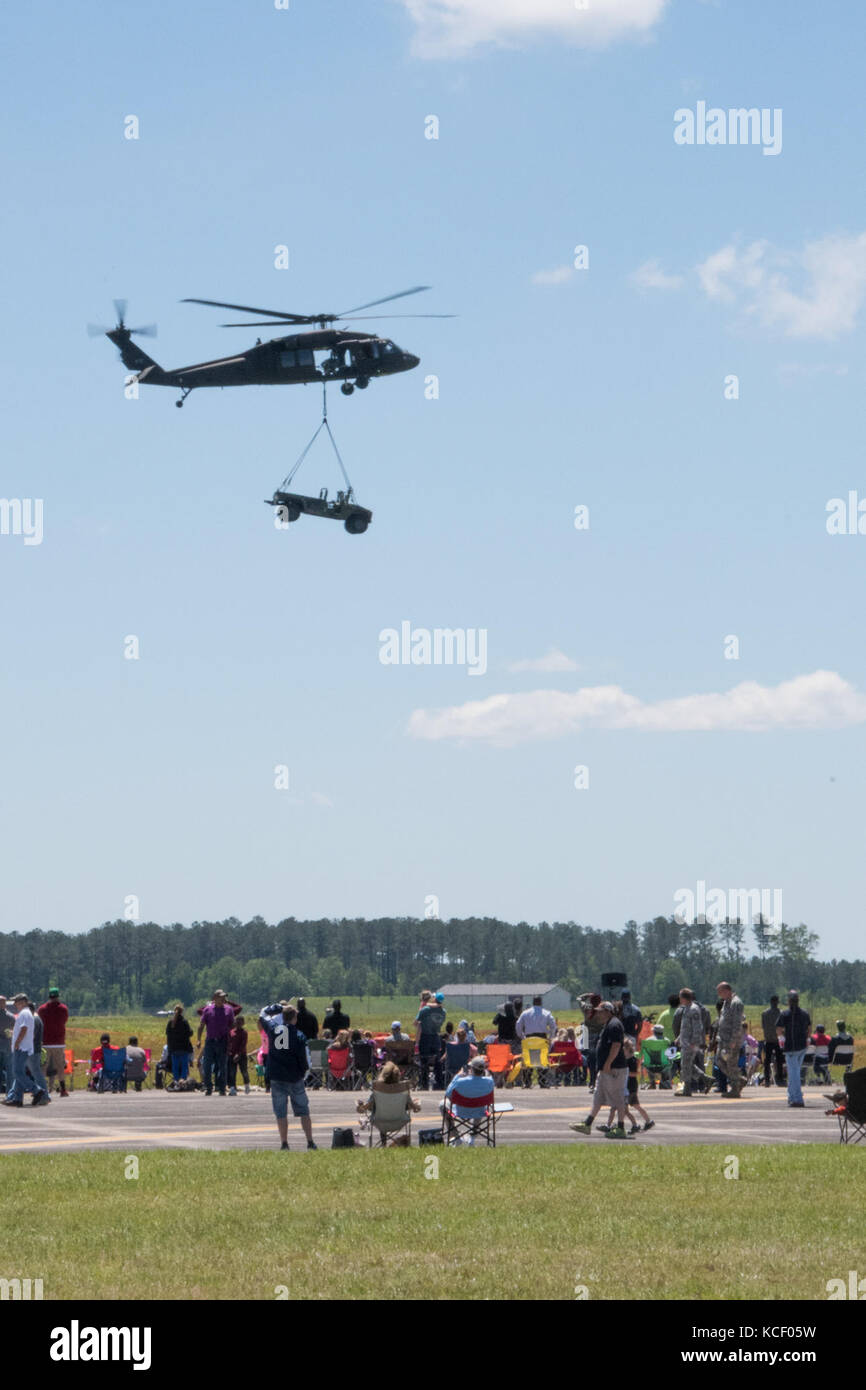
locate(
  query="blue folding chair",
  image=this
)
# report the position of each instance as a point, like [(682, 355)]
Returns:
[(113, 1074), (456, 1058)]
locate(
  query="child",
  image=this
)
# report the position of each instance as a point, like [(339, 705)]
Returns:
[(633, 1102)]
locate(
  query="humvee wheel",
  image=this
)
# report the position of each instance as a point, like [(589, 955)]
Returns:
[(362, 383), (292, 511), (347, 388), (356, 524)]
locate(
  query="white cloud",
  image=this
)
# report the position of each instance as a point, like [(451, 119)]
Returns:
[(452, 28), (555, 660), (650, 276), (559, 276), (816, 292), (822, 700)]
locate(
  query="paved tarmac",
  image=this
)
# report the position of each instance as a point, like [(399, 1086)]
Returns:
[(159, 1119)]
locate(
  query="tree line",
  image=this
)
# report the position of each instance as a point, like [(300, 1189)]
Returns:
[(126, 965)]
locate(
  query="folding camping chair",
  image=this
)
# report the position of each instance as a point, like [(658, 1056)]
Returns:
[(113, 1074), (851, 1113), (403, 1054), (471, 1117), (503, 1064), (341, 1072), (456, 1058), (318, 1073), (536, 1056), (364, 1062), (391, 1113)]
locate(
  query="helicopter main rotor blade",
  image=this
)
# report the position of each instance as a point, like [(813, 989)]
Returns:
[(262, 323), (281, 314), (356, 318), (387, 299)]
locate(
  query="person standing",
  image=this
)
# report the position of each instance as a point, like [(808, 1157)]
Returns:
[(690, 1039), (335, 1020), (7, 1023), (217, 1021), (428, 1021), (34, 1066), (610, 1085), (794, 1025), (22, 1057), (666, 1018), (178, 1037), (55, 1015), (535, 1022), (772, 1050), (307, 1021), (505, 1023), (729, 1039), (288, 1064), (630, 1014), (238, 1041)]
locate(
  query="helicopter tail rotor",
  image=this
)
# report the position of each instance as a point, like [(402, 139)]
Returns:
[(96, 330)]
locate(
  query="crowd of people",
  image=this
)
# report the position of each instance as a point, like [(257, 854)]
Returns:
[(613, 1052)]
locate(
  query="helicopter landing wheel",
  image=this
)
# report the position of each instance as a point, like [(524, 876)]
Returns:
[(347, 388), (362, 383), (178, 404)]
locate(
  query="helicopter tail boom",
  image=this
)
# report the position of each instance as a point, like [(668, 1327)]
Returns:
[(132, 355)]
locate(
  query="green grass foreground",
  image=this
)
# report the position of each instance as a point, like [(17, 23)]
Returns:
[(653, 1223)]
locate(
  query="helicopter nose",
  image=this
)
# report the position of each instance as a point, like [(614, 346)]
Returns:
[(410, 361)]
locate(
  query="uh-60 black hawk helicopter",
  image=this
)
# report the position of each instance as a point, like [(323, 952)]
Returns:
[(350, 357), (353, 358)]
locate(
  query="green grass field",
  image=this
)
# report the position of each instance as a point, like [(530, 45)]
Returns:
[(533, 1222)]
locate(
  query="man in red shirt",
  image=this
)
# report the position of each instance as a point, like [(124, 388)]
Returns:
[(55, 1015)]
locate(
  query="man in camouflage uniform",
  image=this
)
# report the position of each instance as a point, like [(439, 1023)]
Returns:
[(730, 1039), (690, 1038)]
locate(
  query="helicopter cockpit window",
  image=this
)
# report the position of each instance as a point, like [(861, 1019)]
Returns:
[(389, 347), (288, 359)]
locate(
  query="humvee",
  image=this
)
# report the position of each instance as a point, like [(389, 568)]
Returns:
[(342, 508)]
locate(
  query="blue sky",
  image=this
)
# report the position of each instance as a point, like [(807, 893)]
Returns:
[(558, 387)]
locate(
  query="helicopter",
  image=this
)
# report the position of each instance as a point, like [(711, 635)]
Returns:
[(353, 358)]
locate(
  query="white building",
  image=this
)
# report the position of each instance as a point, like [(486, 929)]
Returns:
[(483, 1001)]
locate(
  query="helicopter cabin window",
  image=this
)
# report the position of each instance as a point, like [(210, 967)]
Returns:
[(305, 357), (288, 359)]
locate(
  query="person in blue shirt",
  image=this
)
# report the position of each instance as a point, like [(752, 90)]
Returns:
[(288, 1063), (474, 1086)]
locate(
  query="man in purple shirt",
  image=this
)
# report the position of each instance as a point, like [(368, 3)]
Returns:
[(217, 1021)]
